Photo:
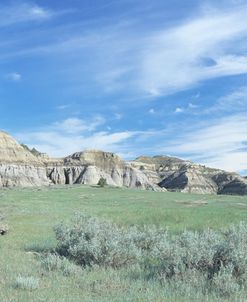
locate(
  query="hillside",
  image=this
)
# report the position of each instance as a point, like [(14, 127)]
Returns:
[(21, 166), (176, 174), (18, 166)]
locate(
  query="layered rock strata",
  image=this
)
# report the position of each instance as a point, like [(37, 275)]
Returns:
[(89, 166), (18, 167), (175, 174), (21, 166)]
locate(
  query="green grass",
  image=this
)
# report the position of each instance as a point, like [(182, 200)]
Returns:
[(32, 213)]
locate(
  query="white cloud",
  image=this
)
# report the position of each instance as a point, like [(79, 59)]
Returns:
[(118, 116), (63, 107), (155, 63), (236, 101), (235, 161), (151, 111), (76, 125), (22, 12), (197, 96), (188, 108), (13, 76), (57, 144), (161, 62), (38, 12), (223, 144), (72, 135), (179, 110), (179, 58), (192, 106)]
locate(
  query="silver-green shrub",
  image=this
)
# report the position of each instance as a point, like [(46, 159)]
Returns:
[(224, 283), (91, 241), (27, 283), (54, 262), (210, 261)]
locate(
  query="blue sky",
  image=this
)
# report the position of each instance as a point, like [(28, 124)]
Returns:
[(136, 77)]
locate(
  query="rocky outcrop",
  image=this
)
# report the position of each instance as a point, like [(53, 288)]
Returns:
[(230, 183), (164, 165), (147, 169), (89, 166), (18, 167), (176, 174), (191, 179), (21, 166)]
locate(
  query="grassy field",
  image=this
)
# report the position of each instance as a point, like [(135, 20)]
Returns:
[(32, 213)]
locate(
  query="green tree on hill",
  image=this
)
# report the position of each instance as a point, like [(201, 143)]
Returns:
[(102, 182)]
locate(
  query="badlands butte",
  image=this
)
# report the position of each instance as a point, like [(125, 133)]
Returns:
[(20, 166)]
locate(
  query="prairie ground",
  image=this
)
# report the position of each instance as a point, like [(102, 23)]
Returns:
[(31, 214)]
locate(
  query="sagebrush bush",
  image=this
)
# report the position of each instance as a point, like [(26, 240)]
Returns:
[(27, 283), (91, 241), (54, 262), (50, 262), (224, 283), (214, 261), (43, 246)]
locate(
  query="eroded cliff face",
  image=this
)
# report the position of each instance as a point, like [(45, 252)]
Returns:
[(230, 183), (190, 179), (147, 169), (176, 174), (89, 166), (20, 166)]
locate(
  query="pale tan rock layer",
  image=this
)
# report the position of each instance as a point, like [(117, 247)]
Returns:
[(12, 152), (175, 174), (20, 166), (89, 166)]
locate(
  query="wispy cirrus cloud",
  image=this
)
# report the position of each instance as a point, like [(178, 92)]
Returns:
[(235, 101), (63, 107), (121, 59), (153, 63), (76, 125), (23, 12), (73, 134), (222, 143), (202, 48), (13, 76)]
